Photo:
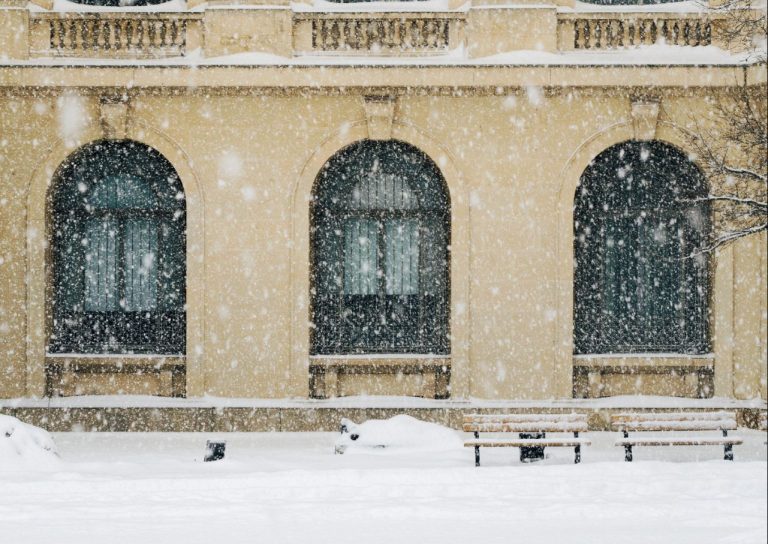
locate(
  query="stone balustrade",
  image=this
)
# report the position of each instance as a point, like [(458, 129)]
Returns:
[(602, 31), (112, 35), (296, 30), (393, 34)]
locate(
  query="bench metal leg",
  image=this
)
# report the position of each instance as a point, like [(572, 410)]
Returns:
[(477, 451), (627, 449), (727, 449), (577, 451)]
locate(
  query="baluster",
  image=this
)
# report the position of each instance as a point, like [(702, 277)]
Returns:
[(315, 31), (114, 34), (676, 33), (405, 35), (171, 33), (443, 33), (83, 35), (597, 34), (361, 34), (707, 37), (695, 35), (52, 37), (125, 34), (325, 36), (80, 33), (578, 34), (631, 39), (588, 31), (401, 34), (145, 40), (431, 34), (654, 32), (626, 39), (343, 32)]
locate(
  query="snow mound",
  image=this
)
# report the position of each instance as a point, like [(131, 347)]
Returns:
[(24, 445), (399, 432)]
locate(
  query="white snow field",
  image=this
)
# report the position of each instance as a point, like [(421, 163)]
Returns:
[(291, 487)]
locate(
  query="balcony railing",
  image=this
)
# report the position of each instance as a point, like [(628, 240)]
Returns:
[(377, 33), (596, 31), (113, 35), (308, 31)]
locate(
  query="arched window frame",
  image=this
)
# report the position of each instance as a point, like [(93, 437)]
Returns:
[(118, 257), (616, 309), (388, 312)]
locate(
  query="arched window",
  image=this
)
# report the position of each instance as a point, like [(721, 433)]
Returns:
[(380, 241), (118, 250), (641, 283)]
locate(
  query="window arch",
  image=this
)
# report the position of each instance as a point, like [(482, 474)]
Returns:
[(380, 237), (118, 217), (640, 285)]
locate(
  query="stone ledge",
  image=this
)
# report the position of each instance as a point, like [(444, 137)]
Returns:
[(268, 419)]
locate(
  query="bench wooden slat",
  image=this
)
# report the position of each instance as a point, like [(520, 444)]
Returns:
[(674, 421), (503, 443), (527, 427), (721, 414), (519, 418), (675, 416), (675, 426), (679, 441)]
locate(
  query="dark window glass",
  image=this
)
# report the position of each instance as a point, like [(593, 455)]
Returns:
[(119, 3), (380, 241), (641, 283), (118, 234)]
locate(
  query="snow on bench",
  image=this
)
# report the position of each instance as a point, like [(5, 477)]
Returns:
[(676, 421), (526, 423)]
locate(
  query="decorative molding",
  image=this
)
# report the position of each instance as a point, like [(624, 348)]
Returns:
[(645, 118), (113, 114), (379, 115)]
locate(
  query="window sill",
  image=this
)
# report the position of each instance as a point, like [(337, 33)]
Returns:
[(117, 361), (393, 360), (644, 360)]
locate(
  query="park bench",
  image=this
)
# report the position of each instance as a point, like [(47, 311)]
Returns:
[(676, 421), (537, 424)]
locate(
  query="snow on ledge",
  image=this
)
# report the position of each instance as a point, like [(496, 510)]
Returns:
[(688, 6), (659, 55), (390, 402), (171, 6), (322, 6)]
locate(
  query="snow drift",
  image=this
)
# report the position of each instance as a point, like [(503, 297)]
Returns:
[(398, 432), (23, 445)]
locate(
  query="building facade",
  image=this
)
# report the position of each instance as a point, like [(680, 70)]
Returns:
[(434, 199)]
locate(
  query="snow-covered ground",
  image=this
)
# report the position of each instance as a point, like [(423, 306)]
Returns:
[(291, 487)]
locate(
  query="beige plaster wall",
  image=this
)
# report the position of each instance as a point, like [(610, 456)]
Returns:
[(511, 159)]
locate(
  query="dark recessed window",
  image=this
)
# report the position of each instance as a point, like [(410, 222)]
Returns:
[(380, 252), (119, 3), (641, 281), (118, 250)]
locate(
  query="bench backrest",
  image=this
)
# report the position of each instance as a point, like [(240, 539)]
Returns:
[(526, 423), (674, 421)]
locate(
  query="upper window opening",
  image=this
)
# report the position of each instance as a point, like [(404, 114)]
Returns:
[(118, 250), (641, 281), (380, 239)]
